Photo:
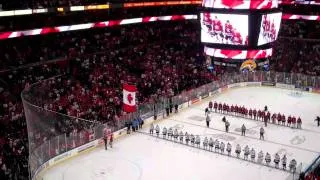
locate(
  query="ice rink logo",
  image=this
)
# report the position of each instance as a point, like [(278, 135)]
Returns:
[(248, 131), (178, 126), (298, 140)]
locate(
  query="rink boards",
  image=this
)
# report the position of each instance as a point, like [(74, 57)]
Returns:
[(92, 145)]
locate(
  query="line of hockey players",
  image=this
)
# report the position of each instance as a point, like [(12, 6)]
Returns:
[(220, 147), (263, 115), (223, 32)]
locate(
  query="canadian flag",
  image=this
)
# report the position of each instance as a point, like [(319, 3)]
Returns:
[(129, 98)]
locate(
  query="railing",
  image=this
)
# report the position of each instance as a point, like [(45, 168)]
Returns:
[(51, 133)]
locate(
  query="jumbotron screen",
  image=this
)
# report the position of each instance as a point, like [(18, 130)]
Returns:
[(240, 4), (269, 28), (224, 28)]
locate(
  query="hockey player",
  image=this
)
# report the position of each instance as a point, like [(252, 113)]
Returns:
[(205, 143), (229, 149), (105, 138), (210, 106), (243, 130), (268, 159), (222, 147), (176, 135), (208, 120), (198, 141), (318, 120), (181, 137), (250, 113), (211, 144), (265, 108), (187, 138), (246, 152), (206, 111), (261, 133), (254, 112), (299, 122), (216, 145), (253, 154), (284, 162), (274, 117), (276, 160), (292, 165), (260, 157), (192, 139), (157, 130), (228, 31), (289, 121), (227, 125), (111, 140), (283, 119), (151, 129), (215, 106), (279, 118), (170, 133), (238, 150), (164, 132)]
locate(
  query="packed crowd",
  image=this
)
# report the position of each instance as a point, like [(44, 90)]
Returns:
[(161, 61)]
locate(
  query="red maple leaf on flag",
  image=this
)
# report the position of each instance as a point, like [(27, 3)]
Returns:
[(129, 98), (232, 3), (230, 53)]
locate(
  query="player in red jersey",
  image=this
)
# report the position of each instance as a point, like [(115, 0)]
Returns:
[(215, 106), (274, 117), (267, 31), (217, 29), (272, 32), (264, 20), (210, 105), (228, 32), (254, 112), (207, 21), (237, 39)]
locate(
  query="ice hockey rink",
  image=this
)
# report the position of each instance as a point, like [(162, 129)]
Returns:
[(139, 156)]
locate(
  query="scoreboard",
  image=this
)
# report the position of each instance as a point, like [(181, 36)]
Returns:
[(236, 26)]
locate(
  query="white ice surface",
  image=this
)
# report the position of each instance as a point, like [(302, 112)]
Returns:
[(142, 157)]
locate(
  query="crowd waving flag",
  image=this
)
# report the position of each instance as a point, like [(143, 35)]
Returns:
[(129, 98)]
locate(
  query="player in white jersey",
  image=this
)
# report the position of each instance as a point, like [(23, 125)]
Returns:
[(246, 152), (216, 145), (222, 147), (211, 143), (238, 150), (229, 149), (181, 137), (151, 129), (205, 143), (164, 132), (253, 154), (192, 139), (170, 133), (157, 130), (187, 138), (292, 165), (276, 160), (284, 162), (175, 135), (260, 157), (268, 159), (198, 141)]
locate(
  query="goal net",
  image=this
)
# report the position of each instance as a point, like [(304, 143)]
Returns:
[(297, 92)]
